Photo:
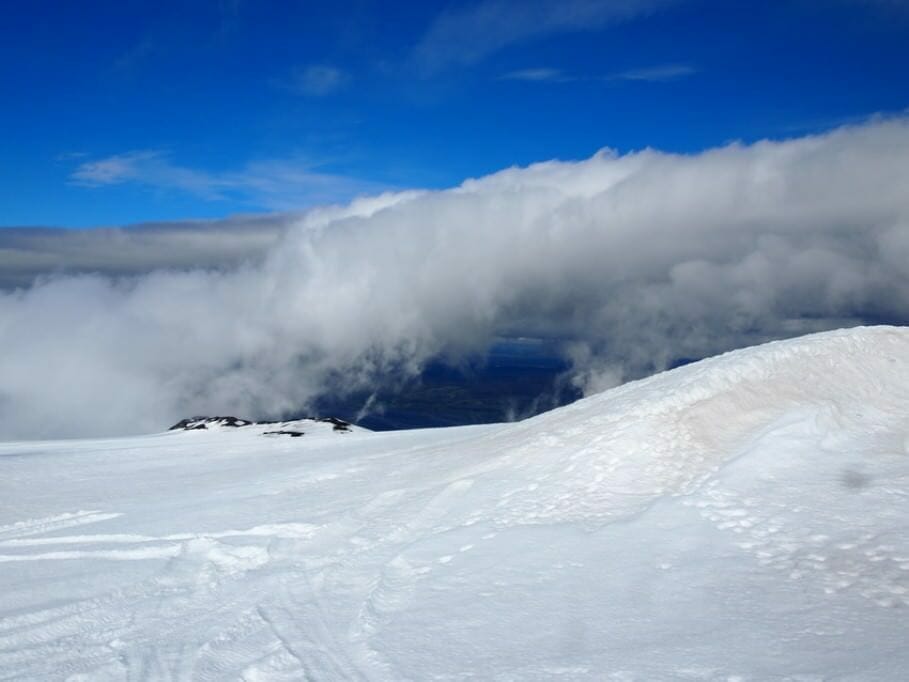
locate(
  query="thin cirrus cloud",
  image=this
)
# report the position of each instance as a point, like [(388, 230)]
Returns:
[(540, 75), (654, 74), (632, 262), (149, 167), (316, 80), (466, 34), (274, 184)]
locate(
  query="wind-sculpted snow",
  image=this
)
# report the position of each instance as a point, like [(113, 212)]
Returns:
[(745, 517), (668, 433)]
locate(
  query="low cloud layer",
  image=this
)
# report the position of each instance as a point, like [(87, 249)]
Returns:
[(631, 262), (29, 253)]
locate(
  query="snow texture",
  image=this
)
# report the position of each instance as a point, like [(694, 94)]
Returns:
[(742, 518)]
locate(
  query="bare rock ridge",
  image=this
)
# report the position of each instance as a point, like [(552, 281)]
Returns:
[(202, 423)]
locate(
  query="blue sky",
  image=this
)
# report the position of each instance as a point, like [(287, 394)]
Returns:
[(132, 111)]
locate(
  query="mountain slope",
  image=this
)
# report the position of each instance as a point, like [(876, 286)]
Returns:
[(744, 517)]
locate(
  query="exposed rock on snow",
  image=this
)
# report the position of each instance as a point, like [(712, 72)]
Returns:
[(285, 432), (206, 423), (201, 423), (745, 517)]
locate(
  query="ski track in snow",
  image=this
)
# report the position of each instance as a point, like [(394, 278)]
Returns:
[(740, 518), (52, 523)]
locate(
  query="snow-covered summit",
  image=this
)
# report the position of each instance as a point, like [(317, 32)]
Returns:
[(744, 517)]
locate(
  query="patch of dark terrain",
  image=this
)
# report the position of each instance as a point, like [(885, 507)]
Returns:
[(203, 423), (516, 380), (338, 424)]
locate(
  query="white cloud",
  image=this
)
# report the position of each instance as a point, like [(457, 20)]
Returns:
[(278, 184), (468, 33), (116, 169), (634, 261)]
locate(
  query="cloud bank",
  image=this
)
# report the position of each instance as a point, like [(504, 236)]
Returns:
[(28, 253), (632, 262)]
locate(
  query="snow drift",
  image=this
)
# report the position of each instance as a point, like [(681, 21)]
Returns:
[(744, 517)]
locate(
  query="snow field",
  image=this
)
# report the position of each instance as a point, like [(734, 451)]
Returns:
[(742, 518)]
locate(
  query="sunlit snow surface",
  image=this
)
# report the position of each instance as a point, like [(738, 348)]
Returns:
[(744, 517)]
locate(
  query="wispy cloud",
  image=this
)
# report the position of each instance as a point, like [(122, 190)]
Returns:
[(662, 73), (166, 32), (538, 76), (136, 54), (113, 169), (656, 74), (281, 184), (316, 80), (467, 34)]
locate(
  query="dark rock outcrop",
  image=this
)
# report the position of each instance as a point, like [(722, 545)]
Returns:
[(197, 423), (203, 423), (339, 424)]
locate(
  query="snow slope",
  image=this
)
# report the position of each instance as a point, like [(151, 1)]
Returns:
[(744, 517)]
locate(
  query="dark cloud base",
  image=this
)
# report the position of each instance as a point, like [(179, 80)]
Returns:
[(30, 253)]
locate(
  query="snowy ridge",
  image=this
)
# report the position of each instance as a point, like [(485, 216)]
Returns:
[(669, 432), (744, 517)]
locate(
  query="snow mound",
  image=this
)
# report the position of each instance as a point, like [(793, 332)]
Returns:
[(613, 453), (744, 517)]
